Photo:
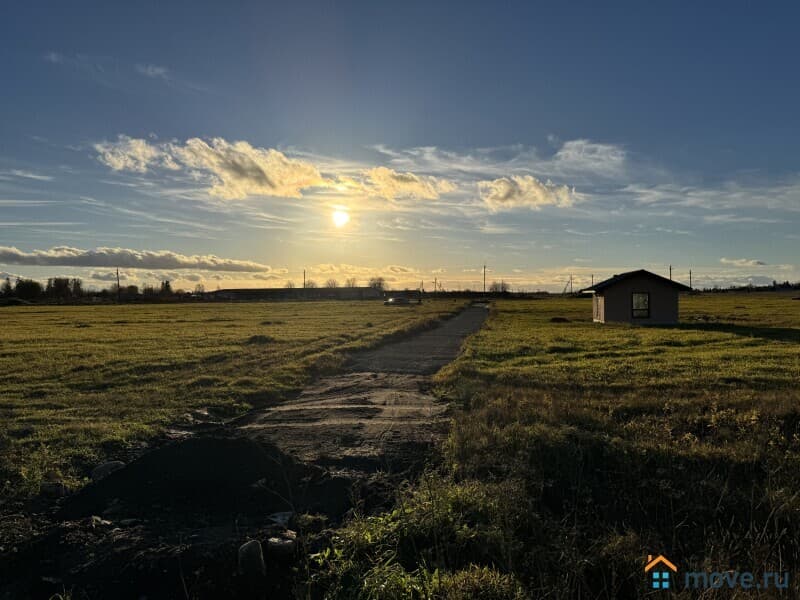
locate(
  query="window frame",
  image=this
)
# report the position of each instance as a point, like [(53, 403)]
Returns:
[(634, 310)]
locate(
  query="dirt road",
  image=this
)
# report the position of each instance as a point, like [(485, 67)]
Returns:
[(378, 415)]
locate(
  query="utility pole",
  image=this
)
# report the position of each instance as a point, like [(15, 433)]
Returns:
[(592, 279), (434, 286), (670, 272), (304, 279), (484, 279), (119, 293), (690, 278)]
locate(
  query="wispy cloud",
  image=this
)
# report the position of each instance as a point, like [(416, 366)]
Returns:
[(579, 159), (53, 57), (20, 203), (39, 224), (153, 71), (26, 175), (742, 262), (730, 218), (117, 74)]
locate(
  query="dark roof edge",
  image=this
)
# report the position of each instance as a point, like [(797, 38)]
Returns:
[(639, 272)]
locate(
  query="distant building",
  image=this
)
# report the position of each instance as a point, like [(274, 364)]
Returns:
[(321, 293), (638, 297)]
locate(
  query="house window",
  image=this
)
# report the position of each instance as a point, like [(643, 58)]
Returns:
[(640, 302), (660, 580)]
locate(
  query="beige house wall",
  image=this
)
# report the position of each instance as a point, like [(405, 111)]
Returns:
[(598, 308), (615, 303)]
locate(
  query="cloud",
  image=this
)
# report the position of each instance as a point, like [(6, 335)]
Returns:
[(388, 183), (240, 170), (153, 71), (523, 191), (742, 262), (124, 257), (585, 156), (108, 276), (28, 175), (237, 170), (729, 218), (400, 270), (131, 154), (234, 170), (580, 159), (728, 196), (391, 273), (54, 57)]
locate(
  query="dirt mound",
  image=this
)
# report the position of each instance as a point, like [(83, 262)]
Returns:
[(169, 525), (212, 474)]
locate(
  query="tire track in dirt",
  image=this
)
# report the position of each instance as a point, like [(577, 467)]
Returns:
[(379, 414)]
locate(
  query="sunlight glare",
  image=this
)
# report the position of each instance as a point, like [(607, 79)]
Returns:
[(340, 218)]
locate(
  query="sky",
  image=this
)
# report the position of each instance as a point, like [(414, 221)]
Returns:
[(238, 144)]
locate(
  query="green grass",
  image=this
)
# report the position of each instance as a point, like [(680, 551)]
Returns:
[(579, 448), (80, 383)]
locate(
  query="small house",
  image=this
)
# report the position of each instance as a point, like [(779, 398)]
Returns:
[(638, 297)]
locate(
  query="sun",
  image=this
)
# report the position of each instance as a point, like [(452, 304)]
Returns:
[(340, 218)]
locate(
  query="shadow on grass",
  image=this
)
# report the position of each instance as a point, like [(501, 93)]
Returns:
[(781, 334)]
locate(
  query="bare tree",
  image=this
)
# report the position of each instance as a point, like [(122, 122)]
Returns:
[(76, 288), (199, 289), (378, 283), (289, 285), (350, 282), (331, 283), (499, 287), (311, 283)]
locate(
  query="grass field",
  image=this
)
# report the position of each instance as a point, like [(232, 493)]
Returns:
[(581, 448), (576, 449), (81, 383)]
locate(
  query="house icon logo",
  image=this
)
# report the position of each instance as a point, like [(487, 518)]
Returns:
[(659, 569)]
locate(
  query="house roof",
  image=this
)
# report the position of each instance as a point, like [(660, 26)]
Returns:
[(652, 562), (599, 287)]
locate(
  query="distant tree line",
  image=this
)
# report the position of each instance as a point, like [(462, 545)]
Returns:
[(57, 288), (776, 286), (378, 283), (70, 289)]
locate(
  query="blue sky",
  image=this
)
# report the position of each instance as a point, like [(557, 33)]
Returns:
[(212, 142)]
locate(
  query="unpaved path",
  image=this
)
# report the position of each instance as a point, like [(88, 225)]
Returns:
[(379, 414)]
